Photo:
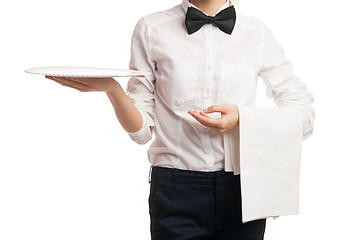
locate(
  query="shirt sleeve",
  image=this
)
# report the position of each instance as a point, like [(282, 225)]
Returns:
[(281, 84), (141, 89)]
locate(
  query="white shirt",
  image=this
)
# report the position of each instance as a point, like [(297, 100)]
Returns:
[(189, 145), (210, 67)]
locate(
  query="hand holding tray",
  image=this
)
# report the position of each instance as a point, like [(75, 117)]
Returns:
[(85, 79)]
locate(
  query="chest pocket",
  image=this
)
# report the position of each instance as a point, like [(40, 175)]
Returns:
[(237, 82), (178, 82)]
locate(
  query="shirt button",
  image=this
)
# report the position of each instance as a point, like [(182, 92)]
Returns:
[(208, 51), (209, 68), (207, 91)]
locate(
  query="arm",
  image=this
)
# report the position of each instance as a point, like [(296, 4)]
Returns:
[(140, 90), (265, 146), (275, 132), (268, 143), (281, 84), (294, 111), (126, 112)]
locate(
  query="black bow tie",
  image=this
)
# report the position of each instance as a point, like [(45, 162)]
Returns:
[(225, 19)]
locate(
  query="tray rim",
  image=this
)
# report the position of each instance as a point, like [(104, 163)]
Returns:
[(130, 74)]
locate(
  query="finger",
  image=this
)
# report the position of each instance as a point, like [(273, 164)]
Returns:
[(67, 84), (74, 84), (86, 82), (213, 128), (203, 114), (204, 120), (83, 80), (79, 79), (49, 77), (77, 82), (53, 77), (209, 121), (216, 108), (68, 80), (63, 83), (217, 129)]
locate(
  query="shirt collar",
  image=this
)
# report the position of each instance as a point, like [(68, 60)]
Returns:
[(185, 4)]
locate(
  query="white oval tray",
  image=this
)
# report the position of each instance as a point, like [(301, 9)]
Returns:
[(92, 72)]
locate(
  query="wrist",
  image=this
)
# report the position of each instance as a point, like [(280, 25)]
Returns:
[(113, 88)]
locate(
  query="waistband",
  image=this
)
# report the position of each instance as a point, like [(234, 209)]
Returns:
[(188, 176)]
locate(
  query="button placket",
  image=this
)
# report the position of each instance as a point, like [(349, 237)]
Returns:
[(208, 152), (207, 91), (208, 64)]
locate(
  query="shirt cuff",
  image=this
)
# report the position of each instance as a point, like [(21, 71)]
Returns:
[(139, 132)]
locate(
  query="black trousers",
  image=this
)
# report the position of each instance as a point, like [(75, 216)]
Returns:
[(196, 205)]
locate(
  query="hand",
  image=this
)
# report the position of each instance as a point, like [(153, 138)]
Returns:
[(87, 84), (229, 117)]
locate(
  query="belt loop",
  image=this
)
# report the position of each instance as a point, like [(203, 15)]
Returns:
[(149, 178)]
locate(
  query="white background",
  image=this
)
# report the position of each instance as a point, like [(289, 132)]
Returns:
[(69, 171)]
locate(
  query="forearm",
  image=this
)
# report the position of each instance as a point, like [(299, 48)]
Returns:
[(126, 112)]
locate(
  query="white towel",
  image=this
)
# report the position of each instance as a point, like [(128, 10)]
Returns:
[(267, 153)]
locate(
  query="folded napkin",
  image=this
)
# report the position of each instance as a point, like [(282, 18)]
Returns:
[(269, 145)]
